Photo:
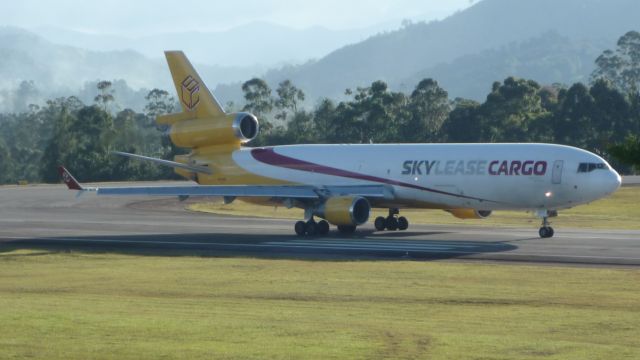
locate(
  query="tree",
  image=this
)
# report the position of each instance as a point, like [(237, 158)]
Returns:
[(257, 93), (26, 95), (27, 132), (373, 115), (300, 129), (463, 123), (612, 117), (324, 121), (62, 142), (288, 98), (159, 102), (510, 109), (429, 108), (93, 135), (573, 124), (106, 94), (628, 152), (6, 164), (622, 66)]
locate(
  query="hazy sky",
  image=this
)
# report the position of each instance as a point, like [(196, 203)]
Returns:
[(139, 17)]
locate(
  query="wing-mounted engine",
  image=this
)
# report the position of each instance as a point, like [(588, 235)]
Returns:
[(345, 210), (470, 213)]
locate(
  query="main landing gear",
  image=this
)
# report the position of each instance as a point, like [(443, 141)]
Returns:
[(312, 227), (546, 231), (392, 222)]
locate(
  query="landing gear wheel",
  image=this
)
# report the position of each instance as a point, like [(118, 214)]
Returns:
[(380, 223), (300, 228), (347, 229), (322, 227), (546, 232), (403, 223), (391, 223), (311, 227)]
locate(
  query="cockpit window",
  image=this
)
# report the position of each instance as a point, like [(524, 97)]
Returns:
[(589, 167)]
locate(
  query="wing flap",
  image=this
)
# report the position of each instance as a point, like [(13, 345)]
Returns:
[(233, 191), (298, 192), (268, 191)]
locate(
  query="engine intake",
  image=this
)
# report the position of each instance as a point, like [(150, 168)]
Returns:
[(245, 127), (345, 210), (470, 213)]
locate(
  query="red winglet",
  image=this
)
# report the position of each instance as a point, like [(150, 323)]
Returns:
[(68, 179)]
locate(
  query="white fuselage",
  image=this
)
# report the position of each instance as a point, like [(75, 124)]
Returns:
[(448, 176)]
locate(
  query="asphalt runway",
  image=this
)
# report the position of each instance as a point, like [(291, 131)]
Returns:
[(52, 218)]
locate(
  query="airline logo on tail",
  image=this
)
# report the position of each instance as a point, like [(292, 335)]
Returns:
[(190, 93)]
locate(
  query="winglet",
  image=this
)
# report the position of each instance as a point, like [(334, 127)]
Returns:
[(68, 179)]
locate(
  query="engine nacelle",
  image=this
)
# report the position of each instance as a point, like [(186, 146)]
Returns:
[(230, 129), (345, 210), (470, 213)]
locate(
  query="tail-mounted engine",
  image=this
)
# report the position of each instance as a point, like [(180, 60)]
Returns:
[(230, 129), (245, 127)]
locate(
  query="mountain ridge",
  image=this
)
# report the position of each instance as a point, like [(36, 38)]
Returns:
[(269, 45), (544, 40), (408, 51)]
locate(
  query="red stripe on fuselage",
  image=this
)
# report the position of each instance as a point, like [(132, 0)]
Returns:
[(270, 157)]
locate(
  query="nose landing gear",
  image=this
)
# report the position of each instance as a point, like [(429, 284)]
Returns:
[(392, 222), (546, 231)]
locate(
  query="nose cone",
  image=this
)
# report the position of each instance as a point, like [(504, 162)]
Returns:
[(614, 181)]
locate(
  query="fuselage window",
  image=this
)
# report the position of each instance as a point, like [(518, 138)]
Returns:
[(583, 167), (589, 167)]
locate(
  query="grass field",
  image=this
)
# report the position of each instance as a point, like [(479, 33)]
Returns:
[(620, 211), (119, 306), (81, 305)]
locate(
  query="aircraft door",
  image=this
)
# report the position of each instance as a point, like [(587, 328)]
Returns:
[(556, 175)]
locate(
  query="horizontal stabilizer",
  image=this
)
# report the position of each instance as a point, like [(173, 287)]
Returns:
[(173, 164)]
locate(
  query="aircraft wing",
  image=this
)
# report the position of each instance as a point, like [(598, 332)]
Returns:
[(266, 191)]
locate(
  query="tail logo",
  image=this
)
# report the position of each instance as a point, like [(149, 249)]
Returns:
[(190, 93), (66, 178)]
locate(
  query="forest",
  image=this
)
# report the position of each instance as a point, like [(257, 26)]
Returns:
[(602, 116)]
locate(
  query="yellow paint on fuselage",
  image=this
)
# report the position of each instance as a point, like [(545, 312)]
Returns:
[(195, 133), (226, 171), (207, 130)]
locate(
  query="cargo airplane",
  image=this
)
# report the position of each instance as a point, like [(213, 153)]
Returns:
[(340, 184)]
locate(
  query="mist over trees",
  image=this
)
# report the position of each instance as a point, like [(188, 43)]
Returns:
[(602, 116), (80, 136), (464, 52)]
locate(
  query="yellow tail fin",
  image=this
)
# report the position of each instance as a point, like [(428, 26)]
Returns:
[(196, 99)]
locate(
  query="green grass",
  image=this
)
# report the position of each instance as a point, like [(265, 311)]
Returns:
[(620, 211), (93, 305)]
